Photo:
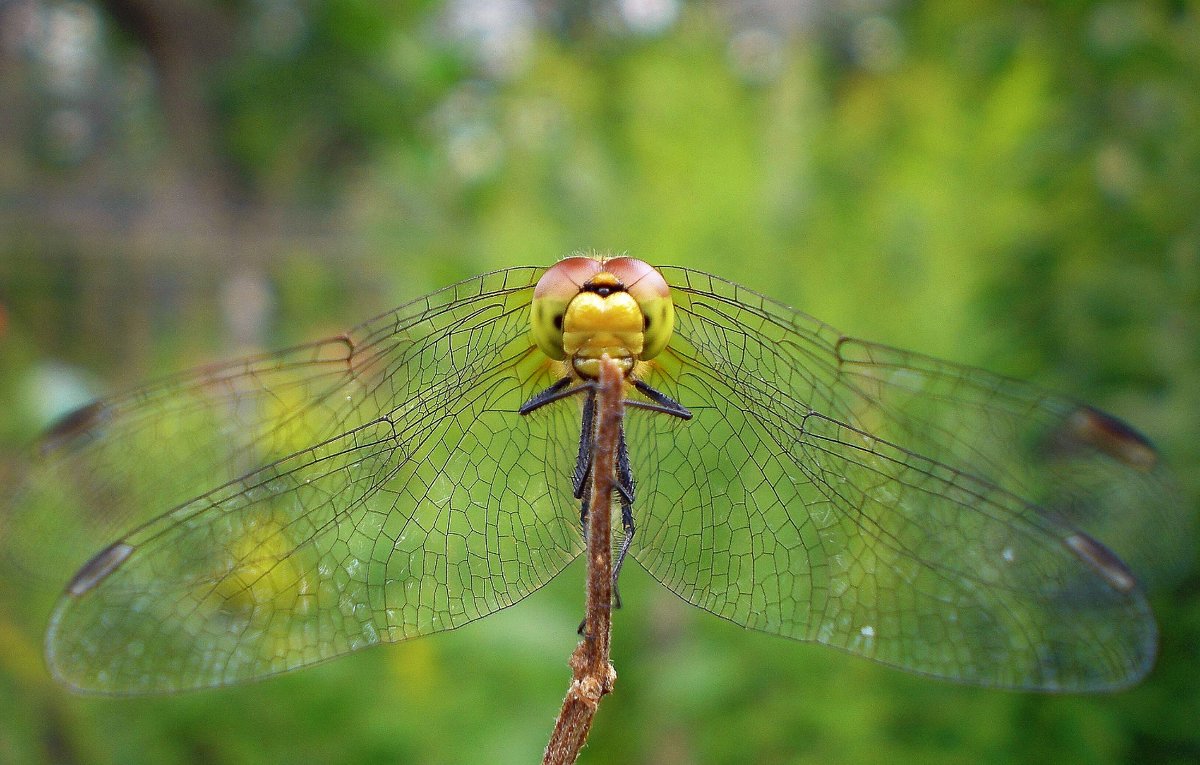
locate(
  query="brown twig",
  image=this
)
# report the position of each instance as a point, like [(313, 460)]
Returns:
[(592, 672)]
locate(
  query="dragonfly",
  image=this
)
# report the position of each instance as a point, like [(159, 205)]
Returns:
[(428, 468)]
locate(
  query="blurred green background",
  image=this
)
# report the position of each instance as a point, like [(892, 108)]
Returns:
[(1011, 186)]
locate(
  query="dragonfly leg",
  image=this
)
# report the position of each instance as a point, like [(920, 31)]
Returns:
[(555, 392), (624, 483), (583, 465), (587, 437), (662, 402), (625, 491), (583, 461), (625, 488)]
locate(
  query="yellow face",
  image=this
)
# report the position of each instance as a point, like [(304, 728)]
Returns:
[(585, 307)]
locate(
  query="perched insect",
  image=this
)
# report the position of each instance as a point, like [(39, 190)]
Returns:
[(427, 469)]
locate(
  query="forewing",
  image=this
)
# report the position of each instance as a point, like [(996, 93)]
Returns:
[(393, 491), (119, 462), (1076, 464), (827, 497)]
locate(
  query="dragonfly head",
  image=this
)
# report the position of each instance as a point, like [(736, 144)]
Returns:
[(585, 307)]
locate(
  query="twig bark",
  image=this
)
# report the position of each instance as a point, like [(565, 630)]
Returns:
[(592, 672)]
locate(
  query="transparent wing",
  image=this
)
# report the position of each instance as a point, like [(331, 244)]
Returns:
[(1078, 466), (929, 516), (380, 485), (372, 488)]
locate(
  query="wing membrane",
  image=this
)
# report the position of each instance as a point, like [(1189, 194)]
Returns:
[(380, 485), (903, 509), (425, 502)]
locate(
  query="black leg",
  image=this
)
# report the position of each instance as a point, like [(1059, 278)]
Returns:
[(553, 393), (582, 479), (587, 436), (583, 460), (626, 488), (666, 404)]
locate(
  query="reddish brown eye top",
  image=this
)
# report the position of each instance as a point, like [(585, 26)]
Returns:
[(641, 279), (566, 277)]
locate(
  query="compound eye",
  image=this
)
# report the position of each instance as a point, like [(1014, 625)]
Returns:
[(650, 291), (554, 291)]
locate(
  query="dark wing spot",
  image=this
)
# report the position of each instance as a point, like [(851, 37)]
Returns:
[(73, 428), (98, 568), (1091, 428), (1103, 560)]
